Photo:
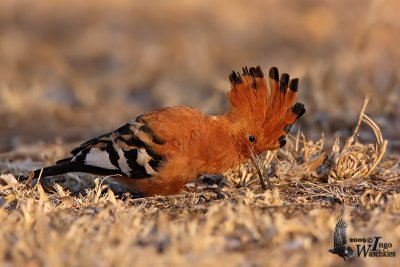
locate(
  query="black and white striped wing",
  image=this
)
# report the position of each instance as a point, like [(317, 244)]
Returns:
[(126, 151)]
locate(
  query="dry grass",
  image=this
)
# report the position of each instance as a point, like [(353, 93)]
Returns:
[(233, 222)]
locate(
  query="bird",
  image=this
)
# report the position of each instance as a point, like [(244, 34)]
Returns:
[(340, 241), (158, 152)]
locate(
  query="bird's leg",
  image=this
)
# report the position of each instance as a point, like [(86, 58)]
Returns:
[(257, 164)]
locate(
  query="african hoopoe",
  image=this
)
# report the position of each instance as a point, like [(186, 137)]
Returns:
[(159, 152)]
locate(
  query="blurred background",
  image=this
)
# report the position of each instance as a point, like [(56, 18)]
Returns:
[(72, 69)]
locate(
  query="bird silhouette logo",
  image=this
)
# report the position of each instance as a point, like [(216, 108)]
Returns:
[(340, 246)]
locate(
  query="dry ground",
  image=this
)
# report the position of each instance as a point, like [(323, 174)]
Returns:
[(73, 69), (230, 222)]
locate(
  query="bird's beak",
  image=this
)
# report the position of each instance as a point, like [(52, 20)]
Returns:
[(257, 163)]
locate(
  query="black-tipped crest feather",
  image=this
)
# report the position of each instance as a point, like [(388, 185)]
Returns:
[(293, 84), (284, 82), (274, 73)]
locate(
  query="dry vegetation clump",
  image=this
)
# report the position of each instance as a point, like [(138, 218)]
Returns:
[(357, 160)]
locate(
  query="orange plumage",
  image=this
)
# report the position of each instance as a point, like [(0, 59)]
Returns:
[(159, 152)]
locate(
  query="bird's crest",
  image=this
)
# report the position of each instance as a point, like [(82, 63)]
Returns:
[(265, 106)]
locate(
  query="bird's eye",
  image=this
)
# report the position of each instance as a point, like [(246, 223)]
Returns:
[(252, 138)]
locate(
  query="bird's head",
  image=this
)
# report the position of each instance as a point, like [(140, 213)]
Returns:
[(262, 110)]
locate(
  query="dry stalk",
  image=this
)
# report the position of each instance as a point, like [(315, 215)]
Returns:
[(356, 159)]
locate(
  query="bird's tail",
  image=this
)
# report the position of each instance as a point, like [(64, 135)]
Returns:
[(52, 170), (65, 166)]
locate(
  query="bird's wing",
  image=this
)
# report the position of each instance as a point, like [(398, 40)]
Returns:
[(339, 237), (127, 151)]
